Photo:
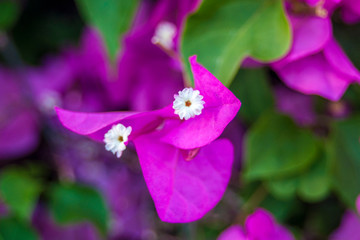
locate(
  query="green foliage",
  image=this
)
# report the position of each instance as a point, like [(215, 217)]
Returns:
[(344, 151), (252, 88), (223, 33), (312, 185), (19, 191), (111, 17), (9, 12), (276, 148), (14, 229), (70, 203)]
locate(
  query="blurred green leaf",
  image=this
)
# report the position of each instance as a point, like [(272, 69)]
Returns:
[(19, 191), (344, 150), (281, 209), (9, 12), (70, 203), (315, 184), (284, 188), (111, 17), (276, 148), (312, 185), (348, 36), (223, 33), (14, 229), (252, 88)]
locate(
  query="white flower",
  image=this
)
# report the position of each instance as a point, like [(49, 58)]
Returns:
[(188, 103), (164, 35), (116, 138)]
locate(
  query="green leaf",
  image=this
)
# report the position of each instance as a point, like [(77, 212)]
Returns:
[(111, 17), (14, 229), (277, 148), (252, 88), (19, 191), (9, 12), (315, 184), (72, 203), (223, 33), (348, 35), (312, 185), (284, 188), (344, 151)]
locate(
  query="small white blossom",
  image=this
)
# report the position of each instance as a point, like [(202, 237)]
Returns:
[(116, 138), (164, 35), (188, 103)]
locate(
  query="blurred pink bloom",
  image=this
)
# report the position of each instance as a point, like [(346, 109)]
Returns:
[(160, 65), (350, 11), (260, 225), (174, 141), (350, 225), (296, 105), (316, 64)]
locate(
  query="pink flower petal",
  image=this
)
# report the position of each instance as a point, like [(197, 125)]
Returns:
[(184, 191), (262, 225), (349, 227), (234, 232), (221, 106), (358, 204), (95, 125), (310, 34), (314, 75)]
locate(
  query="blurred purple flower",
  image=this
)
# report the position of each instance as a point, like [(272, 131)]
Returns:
[(77, 79), (316, 64), (296, 105), (260, 225), (49, 230), (125, 192), (350, 11), (350, 225), (18, 121), (173, 183), (153, 45)]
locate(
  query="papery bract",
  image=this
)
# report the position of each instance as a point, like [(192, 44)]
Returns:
[(260, 225), (183, 190), (220, 108), (350, 11), (316, 64)]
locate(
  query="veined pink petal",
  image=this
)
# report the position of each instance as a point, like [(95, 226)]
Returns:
[(234, 232), (221, 106), (314, 75), (214, 92), (184, 191), (95, 125)]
